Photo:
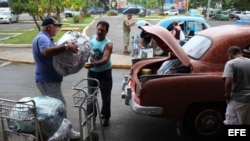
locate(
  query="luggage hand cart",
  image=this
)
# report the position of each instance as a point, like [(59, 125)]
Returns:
[(11, 110), (80, 100)]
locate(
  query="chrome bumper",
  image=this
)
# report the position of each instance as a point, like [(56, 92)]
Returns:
[(129, 100)]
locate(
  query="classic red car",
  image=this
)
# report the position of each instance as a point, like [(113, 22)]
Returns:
[(191, 92)]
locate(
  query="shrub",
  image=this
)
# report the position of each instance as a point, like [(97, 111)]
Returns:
[(162, 14), (142, 15), (112, 13), (79, 18)]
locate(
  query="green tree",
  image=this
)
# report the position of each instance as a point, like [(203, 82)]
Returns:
[(38, 9), (148, 3), (240, 4)]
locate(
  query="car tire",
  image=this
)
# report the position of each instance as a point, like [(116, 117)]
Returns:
[(10, 21), (205, 120)]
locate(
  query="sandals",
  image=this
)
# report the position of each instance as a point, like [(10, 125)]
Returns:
[(126, 52)]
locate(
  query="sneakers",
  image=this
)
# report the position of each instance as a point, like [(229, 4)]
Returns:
[(73, 134), (126, 52), (105, 122)]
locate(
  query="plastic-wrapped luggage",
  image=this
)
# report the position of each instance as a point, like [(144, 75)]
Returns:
[(68, 63), (50, 114), (172, 66)]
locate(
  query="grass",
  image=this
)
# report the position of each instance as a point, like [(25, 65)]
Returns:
[(26, 36)]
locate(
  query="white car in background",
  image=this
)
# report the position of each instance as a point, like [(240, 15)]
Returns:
[(70, 13), (8, 17), (172, 12)]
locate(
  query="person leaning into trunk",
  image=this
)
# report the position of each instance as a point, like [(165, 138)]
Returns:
[(237, 88)]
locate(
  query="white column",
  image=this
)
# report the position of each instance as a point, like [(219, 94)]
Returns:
[(208, 9)]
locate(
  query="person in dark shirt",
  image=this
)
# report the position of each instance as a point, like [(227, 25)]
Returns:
[(176, 30), (237, 88), (145, 40)]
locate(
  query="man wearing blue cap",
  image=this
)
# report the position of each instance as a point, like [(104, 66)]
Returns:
[(48, 81)]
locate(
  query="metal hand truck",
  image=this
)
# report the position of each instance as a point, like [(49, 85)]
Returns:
[(16, 111), (80, 100)]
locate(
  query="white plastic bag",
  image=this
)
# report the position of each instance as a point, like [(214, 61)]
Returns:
[(170, 66), (145, 53), (182, 36), (65, 132)]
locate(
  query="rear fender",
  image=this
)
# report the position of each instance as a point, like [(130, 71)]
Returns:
[(176, 92)]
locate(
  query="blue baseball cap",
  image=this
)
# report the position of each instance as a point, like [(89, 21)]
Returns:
[(50, 20), (142, 23)]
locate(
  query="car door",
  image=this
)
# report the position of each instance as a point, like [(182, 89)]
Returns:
[(13, 17)]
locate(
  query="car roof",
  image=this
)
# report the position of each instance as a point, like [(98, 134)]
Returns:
[(194, 10), (224, 36), (180, 18), (221, 36), (222, 30)]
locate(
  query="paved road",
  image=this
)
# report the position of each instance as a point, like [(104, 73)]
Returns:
[(17, 82)]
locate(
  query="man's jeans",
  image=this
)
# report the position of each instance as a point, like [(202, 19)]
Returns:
[(105, 81)]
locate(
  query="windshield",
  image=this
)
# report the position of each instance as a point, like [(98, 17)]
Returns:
[(194, 12), (224, 12), (4, 13), (197, 46)]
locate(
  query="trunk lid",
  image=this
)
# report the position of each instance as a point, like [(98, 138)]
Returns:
[(167, 42)]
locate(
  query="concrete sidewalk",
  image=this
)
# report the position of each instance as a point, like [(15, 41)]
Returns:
[(23, 53)]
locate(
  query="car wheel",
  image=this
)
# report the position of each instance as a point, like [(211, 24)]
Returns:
[(10, 21), (205, 120), (157, 51)]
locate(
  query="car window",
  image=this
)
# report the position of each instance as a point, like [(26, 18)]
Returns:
[(5, 13), (224, 12), (245, 18), (170, 27), (197, 46), (196, 26)]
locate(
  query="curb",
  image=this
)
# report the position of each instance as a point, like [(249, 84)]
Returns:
[(28, 61), (16, 45), (115, 66), (17, 61)]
